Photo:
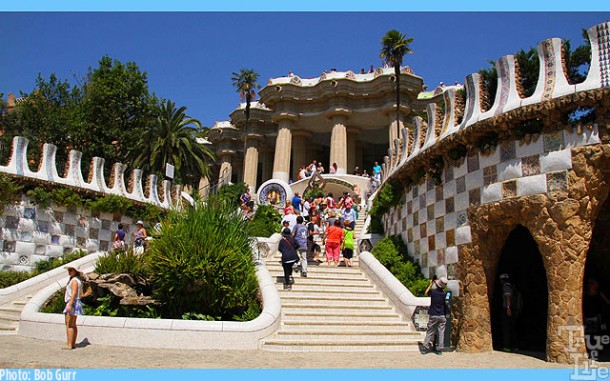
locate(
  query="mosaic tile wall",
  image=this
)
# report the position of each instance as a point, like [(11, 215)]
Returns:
[(31, 234), (433, 220)]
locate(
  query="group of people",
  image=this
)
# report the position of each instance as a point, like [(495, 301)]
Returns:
[(139, 236), (314, 167), (305, 221)]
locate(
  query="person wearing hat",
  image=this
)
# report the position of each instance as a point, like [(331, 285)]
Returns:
[(74, 306), (437, 320), (288, 247), (139, 237)]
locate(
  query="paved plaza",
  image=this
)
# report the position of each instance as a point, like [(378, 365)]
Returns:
[(20, 352)]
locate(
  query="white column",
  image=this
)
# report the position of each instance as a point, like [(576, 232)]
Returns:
[(283, 144), (338, 143)]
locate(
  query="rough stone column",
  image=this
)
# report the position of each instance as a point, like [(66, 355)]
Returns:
[(251, 163), (352, 135), (300, 145), (283, 145), (266, 163), (204, 188), (226, 169), (338, 140)]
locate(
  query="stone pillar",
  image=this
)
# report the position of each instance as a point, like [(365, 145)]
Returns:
[(338, 140), (204, 188), (226, 169), (352, 134), (266, 163), (251, 163), (300, 146), (283, 145)]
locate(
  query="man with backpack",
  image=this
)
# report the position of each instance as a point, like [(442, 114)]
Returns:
[(288, 247), (509, 314), (300, 233)]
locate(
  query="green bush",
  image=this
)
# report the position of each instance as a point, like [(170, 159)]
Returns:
[(231, 193), (392, 253), (389, 195), (67, 197), (376, 226), (146, 212), (266, 221), (55, 304), (110, 203), (202, 263), (313, 192), (40, 196), (10, 192), (9, 278), (122, 262)]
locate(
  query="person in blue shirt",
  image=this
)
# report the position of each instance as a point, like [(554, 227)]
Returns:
[(437, 319), (377, 171), (300, 232), (296, 202)]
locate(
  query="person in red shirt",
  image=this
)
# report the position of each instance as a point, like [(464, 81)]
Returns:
[(333, 238)]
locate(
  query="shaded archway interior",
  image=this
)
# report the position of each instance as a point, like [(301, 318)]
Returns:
[(521, 259)]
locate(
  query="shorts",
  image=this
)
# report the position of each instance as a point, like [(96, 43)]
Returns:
[(333, 251), (348, 253), (77, 308)]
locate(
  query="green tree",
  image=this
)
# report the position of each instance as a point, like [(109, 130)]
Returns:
[(246, 84), (489, 82), (529, 66), (172, 139), (577, 61), (394, 46)]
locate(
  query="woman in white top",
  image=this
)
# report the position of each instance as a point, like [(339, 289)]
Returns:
[(74, 307)]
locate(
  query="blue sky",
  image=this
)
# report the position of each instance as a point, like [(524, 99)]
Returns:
[(189, 56)]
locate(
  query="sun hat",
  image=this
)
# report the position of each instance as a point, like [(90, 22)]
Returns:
[(504, 277), (140, 223), (442, 282)]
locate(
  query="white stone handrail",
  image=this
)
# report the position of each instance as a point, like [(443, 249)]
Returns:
[(400, 296), (552, 83), (47, 171)]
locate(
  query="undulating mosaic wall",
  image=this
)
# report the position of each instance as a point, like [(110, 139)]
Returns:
[(31, 234)]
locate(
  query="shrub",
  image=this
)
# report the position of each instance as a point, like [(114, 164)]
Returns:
[(313, 192), (231, 193), (202, 263), (53, 263), (110, 203), (266, 222), (40, 196), (122, 262), (376, 226), (9, 278), (146, 212), (10, 192), (67, 197), (389, 195), (392, 253)]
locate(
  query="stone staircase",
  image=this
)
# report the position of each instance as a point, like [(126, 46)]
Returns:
[(337, 309), (9, 315)]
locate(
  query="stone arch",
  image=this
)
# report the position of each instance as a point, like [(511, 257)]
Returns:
[(561, 223)]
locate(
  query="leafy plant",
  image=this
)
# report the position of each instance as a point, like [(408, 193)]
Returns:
[(389, 195), (392, 253), (67, 197), (266, 222), (53, 263), (314, 192), (122, 262), (487, 141), (110, 203), (40, 196), (10, 192), (202, 263), (529, 66), (376, 226), (457, 152), (231, 193), (146, 212), (9, 278)]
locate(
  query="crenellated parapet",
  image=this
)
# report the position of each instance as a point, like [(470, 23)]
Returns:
[(473, 110), (160, 195)]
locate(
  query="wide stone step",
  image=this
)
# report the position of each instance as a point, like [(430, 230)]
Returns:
[(6, 325), (321, 268), (10, 315), (320, 315), (315, 276), (331, 325), (314, 306), (334, 298), (346, 335), (349, 289), (340, 346), (329, 282)]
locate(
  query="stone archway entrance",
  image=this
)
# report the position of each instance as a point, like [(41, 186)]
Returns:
[(521, 259)]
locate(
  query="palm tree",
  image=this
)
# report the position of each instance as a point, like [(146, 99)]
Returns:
[(394, 46), (245, 83), (172, 139)]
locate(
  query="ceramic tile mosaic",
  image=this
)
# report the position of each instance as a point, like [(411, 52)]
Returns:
[(59, 216), (430, 184), (409, 207), (490, 175), (29, 213), (26, 236), (448, 174), (439, 194), (415, 191), (105, 224), (424, 260), (461, 218), (549, 72), (474, 196), (450, 237), (452, 271), (9, 246), (530, 165), (507, 151), (431, 243), (449, 205), (422, 201), (410, 234), (93, 233), (24, 260), (69, 229), (504, 76), (553, 142), (440, 225), (104, 245), (40, 249), (509, 189), (460, 184), (42, 226), (116, 217), (440, 257), (11, 222), (55, 239), (430, 211), (604, 53), (423, 232), (81, 242), (415, 218), (557, 181), (404, 224), (473, 163)]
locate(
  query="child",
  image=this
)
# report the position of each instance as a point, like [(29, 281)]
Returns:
[(348, 244)]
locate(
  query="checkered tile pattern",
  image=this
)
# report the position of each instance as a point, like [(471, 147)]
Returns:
[(434, 220)]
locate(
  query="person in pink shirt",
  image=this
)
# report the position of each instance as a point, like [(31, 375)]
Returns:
[(333, 238)]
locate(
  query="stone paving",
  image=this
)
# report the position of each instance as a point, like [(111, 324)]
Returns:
[(20, 352)]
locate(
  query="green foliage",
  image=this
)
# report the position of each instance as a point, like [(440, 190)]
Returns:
[(389, 195), (202, 263), (487, 141), (10, 192), (392, 253), (110, 203), (40, 196), (122, 262), (376, 226), (529, 66), (55, 304), (457, 152), (9, 278), (53, 263), (67, 197), (489, 82), (146, 212), (577, 61), (313, 192), (530, 126), (266, 221), (230, 193)]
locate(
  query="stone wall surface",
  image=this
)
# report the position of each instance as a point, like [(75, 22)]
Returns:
[(31, 234)]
